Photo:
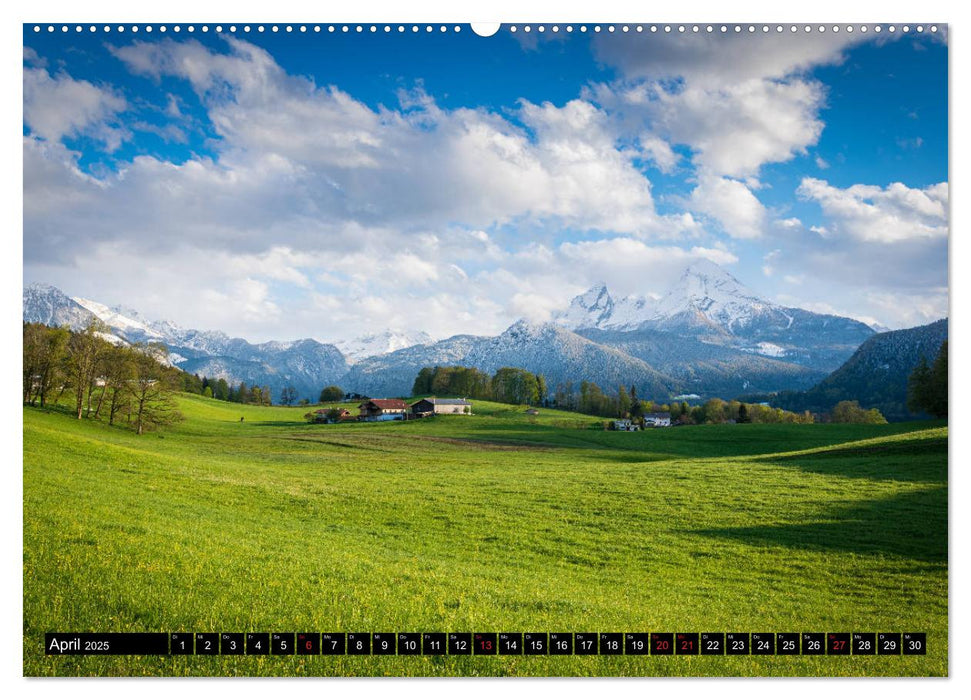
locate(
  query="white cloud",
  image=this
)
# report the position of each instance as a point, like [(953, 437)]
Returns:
[(732, 204), (716, 58), (736, 128), (885, 215), (875, 307), (60, 106), (659, 151), (737, 100), (631, 266), (768, 260), (319, 215), (422, 165)]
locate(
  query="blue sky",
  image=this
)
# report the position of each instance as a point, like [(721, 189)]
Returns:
[(326, 184)]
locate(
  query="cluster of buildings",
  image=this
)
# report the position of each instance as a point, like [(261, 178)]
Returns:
[(651, 420), (397, 409)]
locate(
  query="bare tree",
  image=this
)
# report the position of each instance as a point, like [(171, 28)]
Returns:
[(151, 390), (84, 348)]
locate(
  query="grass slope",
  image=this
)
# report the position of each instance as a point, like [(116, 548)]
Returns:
[(492, 522)]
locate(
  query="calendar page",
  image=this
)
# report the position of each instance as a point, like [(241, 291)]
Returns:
[(528, 349)]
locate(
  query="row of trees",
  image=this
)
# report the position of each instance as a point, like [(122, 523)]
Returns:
[(129, 383), (927, 386), (224, 391), (517, 386), (507, 385), (625, 403)]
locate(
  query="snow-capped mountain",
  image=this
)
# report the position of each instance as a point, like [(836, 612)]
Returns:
[(596, 308), (707, 295), (124, 321), (52, 307), (393, 374), (709, 304), (563, 356), (558, 354), (374, 344), (307, 364), (709, 335)]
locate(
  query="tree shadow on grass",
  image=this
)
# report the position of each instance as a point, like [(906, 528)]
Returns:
[(917, 460), (911, 525)]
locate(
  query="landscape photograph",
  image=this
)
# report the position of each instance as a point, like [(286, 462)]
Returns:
[(412, 350)]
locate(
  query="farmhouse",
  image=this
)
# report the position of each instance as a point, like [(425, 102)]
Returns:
[(323, 415), (657, 420), (383, 409), (431, 406)]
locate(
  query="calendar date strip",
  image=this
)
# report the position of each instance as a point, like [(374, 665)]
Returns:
[(487, 643)]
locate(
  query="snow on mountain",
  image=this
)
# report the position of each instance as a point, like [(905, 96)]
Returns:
[(592, 309), (563, 356), (596, 308), (705, 295), (709, 304), (708, 335), (307, 364), (393, 374), (52, 307), (558, 354), (115, 318), (375, 344), (712, 370), (708, 291)]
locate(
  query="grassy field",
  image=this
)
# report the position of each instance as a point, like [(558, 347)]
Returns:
[(494, 522)]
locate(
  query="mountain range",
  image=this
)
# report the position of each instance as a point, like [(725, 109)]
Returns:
[(709, 305), (875, 375), (709, 335)]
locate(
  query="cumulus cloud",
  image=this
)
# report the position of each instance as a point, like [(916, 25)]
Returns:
[(58, 106), (314, 213), (883, 215), (716, 58), (311, 195), (732, 129), (632, 266), (419, 165), (732, 204)]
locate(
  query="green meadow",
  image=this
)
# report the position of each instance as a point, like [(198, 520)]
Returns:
[(495, 522)]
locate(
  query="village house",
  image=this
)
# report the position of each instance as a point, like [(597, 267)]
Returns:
[(657, 420), (323, 415), (427, 407), (383, 409)]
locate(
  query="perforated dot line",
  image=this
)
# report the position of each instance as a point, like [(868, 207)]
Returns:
[(513, 28), (247, 28), (712, 29)]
